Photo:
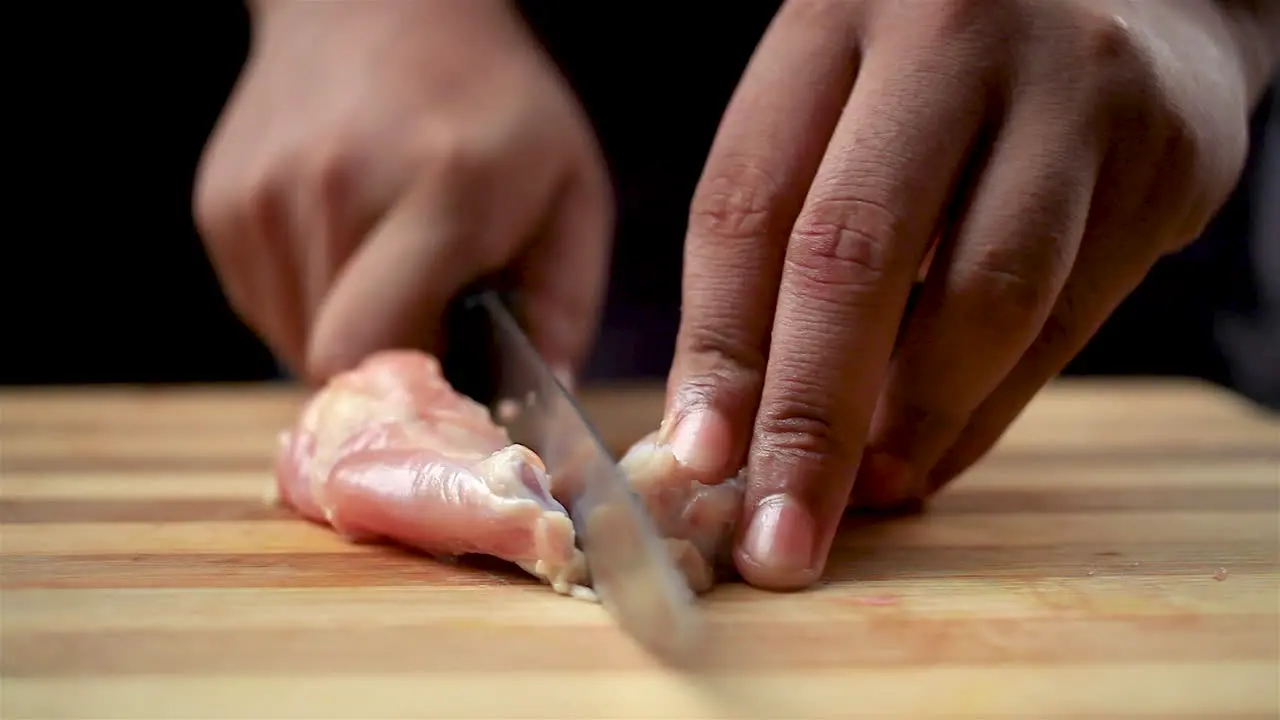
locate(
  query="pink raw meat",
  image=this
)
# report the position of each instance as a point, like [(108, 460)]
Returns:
[(389, 450), (697, 519)]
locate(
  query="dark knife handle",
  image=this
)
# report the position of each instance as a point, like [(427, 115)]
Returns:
[(470, 360)]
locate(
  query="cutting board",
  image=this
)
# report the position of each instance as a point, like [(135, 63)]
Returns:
[(1116, 555)]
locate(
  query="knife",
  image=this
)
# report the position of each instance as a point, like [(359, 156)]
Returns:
[(491, 359)]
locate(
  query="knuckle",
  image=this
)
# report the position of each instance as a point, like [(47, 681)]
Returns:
[(736, 201), (801, 429), (451, 159), (724, 354), (330, 175), (265, 200), (1007, 295), (211, 208), (1105, 72), (1107, 41), (1181, 160), (843, 243), (964, 17), (227, 213), (1124, 80), (217, 205), (722, 367), (235, 211), (458, 161), (1181, 146), (1063, 328)]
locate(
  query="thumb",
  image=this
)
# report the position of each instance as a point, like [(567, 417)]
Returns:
[(563, 276)]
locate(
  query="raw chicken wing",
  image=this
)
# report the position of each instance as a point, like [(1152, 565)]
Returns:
[(390, 450)]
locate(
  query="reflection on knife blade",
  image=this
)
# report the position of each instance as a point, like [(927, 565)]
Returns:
[(631, 570)]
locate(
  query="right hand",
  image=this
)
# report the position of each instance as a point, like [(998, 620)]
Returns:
[(377, 157)]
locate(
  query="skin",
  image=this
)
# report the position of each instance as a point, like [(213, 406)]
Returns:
[(376, 157), (1056, 149), (1044, 154)]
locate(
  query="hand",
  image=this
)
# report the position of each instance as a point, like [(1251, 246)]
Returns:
[(377, 157), (1055, 149)]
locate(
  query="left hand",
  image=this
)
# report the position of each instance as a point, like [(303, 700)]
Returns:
[(1055, 149)]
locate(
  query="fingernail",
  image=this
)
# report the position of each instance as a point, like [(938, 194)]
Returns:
[(780, 538), (700, 441), (884, 481)]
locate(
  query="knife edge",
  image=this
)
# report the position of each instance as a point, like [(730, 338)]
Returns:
[(635, 579)]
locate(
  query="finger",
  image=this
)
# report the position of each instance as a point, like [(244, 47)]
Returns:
[(561, 308), (765, 153), (1136, 215), (338, 198), (282, 312), (1107, 269), (854, 253), (1086, 301), (248, 234), (995, 283), (443, 233)]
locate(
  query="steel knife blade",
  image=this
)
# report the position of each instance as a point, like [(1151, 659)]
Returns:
[(632, 573)]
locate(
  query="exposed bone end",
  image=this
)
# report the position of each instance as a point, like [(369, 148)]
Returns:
[(558, 561)]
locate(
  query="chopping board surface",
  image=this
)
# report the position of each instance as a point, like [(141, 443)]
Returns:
[(1118, 554)]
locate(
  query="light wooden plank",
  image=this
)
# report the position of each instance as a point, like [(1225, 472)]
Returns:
[(996, 474), (959, 599), (1220, 690), (974, 530)]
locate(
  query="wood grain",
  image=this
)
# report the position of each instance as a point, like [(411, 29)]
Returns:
[(1118, 555)]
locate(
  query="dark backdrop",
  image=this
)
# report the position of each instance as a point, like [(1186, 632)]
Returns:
[(106, 281)]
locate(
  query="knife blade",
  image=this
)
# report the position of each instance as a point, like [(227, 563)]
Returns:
[(632, 573)]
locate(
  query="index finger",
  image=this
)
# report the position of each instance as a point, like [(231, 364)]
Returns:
[(852, 259), (445, 230), (766, 151)]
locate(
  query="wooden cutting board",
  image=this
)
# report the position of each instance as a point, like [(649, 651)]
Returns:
[(1117, 555)]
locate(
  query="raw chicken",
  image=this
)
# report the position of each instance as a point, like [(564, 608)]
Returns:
[(697, 519), (389, 450)]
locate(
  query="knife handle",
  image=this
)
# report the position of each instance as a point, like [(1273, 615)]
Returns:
[(470, 362)]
